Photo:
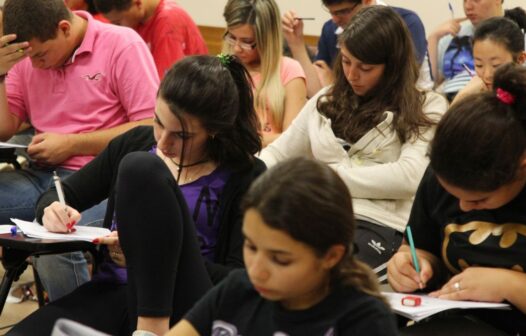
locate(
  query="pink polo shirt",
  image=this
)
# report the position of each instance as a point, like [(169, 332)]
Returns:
[(110, 80), (171, 34)]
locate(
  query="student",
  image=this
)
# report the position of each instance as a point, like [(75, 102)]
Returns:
[(450, 48), (301, 277), (86, 5), (341, 12), (372, 127), (254, 35), (81, 83), (468, 220), (167, 28), (496, 41), (174, 200)]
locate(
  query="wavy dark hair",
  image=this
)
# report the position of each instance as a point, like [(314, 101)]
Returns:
[(377, 35), (480, 141), (218, 92), (310, 202)]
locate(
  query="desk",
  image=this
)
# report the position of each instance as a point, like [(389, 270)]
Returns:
[(16, 250)]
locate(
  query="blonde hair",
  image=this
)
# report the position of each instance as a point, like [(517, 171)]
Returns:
[(264, 17)]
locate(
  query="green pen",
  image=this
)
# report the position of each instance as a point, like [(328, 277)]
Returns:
[(413, 254)]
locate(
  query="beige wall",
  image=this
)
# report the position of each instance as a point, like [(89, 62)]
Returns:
[(432, 12)]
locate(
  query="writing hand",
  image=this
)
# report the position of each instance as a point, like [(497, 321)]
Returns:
[(50, 149), (402, 275), (58, 219)]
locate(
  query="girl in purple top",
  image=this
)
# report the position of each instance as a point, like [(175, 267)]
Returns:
[(173, 203)]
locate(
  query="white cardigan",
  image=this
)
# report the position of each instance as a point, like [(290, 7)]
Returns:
[(381, 172)]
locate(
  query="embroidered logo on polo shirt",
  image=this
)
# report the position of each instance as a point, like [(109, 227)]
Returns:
[(96, 77)]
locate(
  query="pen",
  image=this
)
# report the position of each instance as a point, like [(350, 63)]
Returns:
[(60, 192), (413, 253), (305, 18), (470, 72), (451, 10)]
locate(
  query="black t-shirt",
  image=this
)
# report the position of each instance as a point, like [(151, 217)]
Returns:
[(484, 238), (234, 308)]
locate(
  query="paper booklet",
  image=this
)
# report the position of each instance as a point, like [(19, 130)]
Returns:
[(430, 306), (35, 230), (11, 145)]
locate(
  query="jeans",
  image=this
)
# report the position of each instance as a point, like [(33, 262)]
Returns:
[(19, 192)]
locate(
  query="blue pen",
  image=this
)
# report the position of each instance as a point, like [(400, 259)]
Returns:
[(413, 253), (451, 10), (13, 230)]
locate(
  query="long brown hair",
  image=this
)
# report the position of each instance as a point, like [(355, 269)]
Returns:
[(377, 35), (310, 202)]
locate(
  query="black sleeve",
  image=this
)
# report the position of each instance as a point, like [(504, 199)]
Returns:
[(93, 182), (424, 226), (232, 256), (204, 312)]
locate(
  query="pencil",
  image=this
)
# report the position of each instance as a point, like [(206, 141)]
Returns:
[(470, 72), (60, 192), (305, 18), (413, 253)]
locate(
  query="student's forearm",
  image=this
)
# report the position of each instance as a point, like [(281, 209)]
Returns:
[(8, 123), (515, 290), (93, 143), (300, 54), (432, 46)]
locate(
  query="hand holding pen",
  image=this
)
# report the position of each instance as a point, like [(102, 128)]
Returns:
[(409, 269), (59, 217)]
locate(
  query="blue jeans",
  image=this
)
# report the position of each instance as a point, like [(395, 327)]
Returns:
[(19, 192)]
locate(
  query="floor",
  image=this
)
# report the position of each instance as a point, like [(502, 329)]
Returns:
[(14, 312)]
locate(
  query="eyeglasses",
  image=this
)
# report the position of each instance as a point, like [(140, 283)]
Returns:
[(228, 38), (342, 12)]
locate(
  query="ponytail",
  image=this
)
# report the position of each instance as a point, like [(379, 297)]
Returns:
[(242, 141), (354, 273), (518, 15), (216, 90)]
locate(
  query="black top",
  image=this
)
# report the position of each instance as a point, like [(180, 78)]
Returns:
[(95, 182), (484, 238), (234, 308)]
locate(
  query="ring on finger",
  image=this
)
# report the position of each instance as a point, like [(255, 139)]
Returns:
[(456, 286)]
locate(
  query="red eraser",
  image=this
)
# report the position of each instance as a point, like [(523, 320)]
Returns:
[(412, 301)]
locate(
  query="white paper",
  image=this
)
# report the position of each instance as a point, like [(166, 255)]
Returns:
[(11, 145), (35, 230), (430, 306), (5, 228)]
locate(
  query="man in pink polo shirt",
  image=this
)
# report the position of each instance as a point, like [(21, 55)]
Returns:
[(168, 30), (80, 83)]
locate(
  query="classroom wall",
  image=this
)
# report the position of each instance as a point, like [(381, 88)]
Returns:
[(432, 12)]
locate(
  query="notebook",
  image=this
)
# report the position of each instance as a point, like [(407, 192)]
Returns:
[(430, 306), (35, 230)]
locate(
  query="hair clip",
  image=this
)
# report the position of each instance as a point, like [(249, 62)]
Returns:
[(225, 59), (505, 97)]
